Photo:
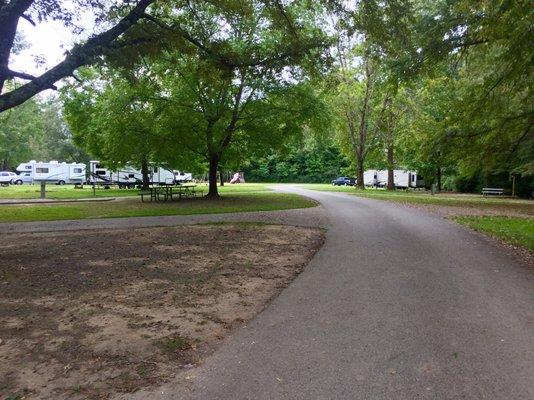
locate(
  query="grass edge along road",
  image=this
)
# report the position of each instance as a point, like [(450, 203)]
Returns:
[(424, 197), (133, 207), (515, 230)]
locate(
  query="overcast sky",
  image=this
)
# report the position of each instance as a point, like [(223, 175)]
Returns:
[(47, 41)]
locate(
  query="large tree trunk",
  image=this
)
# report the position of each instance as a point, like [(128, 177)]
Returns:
[(359, 172), (144, 174), (438, 178), (214, 164), (221, 176), (391, 175)]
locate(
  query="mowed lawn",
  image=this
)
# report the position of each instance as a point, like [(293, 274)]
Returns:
[(240, 198), (518, 231), (70, 192)]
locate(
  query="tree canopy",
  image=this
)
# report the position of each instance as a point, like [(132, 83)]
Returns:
[(442, 86)]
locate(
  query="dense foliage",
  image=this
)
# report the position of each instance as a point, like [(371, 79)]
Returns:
[(307, 159), (36, 130)]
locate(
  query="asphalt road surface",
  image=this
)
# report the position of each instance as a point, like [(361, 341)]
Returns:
[(398, 304)]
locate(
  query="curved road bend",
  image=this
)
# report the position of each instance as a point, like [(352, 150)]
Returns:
[(398, 304)]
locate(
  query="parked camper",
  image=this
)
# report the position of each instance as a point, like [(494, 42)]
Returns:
[(129, 177), (53, 171), (381, 178), (181, 176), (401, 178), (370, 177), (124, 177)]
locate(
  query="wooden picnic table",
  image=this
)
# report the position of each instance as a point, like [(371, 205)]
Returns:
[(170, 192)]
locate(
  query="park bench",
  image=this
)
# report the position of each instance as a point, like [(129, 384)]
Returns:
[(492, 191)]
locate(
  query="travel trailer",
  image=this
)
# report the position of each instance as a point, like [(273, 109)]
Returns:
[(130, 177), (53, 171), (369, 177), (403, 179), (181, 176)]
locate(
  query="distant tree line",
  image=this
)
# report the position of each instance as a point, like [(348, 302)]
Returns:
[(37, 130), (307, 160)]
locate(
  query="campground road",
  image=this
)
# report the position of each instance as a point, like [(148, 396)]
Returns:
[(398, 304)]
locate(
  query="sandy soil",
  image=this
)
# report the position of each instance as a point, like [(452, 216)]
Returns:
[(88, 314)]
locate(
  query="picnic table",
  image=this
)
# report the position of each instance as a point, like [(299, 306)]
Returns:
[(170, 192)]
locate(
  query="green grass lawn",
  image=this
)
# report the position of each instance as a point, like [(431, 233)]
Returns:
[(443, 199), (233, 201), (69, 192), (518, 231)]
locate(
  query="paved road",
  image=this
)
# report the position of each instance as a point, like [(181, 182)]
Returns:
[(398, 304)]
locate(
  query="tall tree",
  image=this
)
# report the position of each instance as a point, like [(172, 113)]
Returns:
[(481, 52), (234, 81), (224, 119), (113, 118)]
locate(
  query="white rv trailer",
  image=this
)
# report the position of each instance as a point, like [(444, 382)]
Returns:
[(369, 177), (381, 178), (130, 177), (53, 171), (401, 178), (181, 176)]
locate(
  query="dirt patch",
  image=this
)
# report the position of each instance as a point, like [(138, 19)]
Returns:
[(86, 314)]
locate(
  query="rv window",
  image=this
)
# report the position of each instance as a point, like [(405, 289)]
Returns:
[(4, 174), (413, 178), (77, 170), (27, 174), (41, 170), (155, 169), (97, 166), (28, 167), (101, 172), (131, 175)]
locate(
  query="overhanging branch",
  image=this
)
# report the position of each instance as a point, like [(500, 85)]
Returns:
[(79, 56)]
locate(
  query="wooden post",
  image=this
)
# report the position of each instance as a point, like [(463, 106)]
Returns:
[(513, 185), (43, 189)]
